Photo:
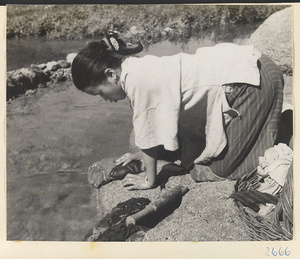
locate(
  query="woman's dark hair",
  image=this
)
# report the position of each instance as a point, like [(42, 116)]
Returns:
[(90, 63)]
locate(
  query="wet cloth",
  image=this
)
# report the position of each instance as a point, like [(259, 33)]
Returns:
[(113, 227), (179, 100), (105, 171)]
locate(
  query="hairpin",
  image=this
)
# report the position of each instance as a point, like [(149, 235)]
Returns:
[(118, 46)]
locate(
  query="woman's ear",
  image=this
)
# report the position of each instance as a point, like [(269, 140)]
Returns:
[(109, 72)]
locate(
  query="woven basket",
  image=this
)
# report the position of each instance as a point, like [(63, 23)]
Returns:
[(277, 225)]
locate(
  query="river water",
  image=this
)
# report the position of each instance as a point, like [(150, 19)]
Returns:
[(22, 52)]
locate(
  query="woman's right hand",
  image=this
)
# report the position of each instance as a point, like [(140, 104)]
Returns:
[(128, 157), (137, 182)]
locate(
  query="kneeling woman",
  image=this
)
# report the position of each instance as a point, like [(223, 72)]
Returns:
[(216, 111)]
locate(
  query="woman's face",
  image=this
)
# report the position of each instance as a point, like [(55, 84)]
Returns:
[(109, 90)]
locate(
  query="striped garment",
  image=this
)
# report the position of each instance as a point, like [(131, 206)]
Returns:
[(255, 131), (253, 198)]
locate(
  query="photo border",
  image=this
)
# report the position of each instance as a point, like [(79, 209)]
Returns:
[(241, 249)]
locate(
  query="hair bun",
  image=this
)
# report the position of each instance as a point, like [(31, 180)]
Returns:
[(118, 46)]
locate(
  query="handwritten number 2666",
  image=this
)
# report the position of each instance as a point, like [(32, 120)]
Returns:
[(280, 252)]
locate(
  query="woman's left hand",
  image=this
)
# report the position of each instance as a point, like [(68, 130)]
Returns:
[(137, 182)]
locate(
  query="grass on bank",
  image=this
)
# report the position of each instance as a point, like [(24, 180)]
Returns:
[(148, 23)]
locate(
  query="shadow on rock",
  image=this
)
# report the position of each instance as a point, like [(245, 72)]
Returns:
[(169, 170)]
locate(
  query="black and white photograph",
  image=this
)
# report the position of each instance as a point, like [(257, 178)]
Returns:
[(150, 123)]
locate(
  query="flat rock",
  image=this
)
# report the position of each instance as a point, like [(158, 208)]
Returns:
[(205, 213)]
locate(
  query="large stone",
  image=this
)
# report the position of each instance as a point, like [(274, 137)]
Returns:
[(70, 57), (274, 38), (53, 65), (64, 64), (204, 214), (21, 80)]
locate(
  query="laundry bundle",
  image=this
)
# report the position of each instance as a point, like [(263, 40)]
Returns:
[(264, 196), (273, 168), (271, 176)]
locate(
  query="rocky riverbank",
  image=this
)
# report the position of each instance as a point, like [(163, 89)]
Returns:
[(27, 80)]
